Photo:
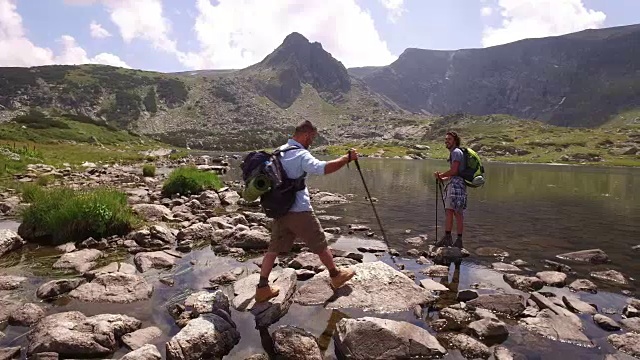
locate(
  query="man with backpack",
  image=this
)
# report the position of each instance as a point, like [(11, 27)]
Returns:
[(455, 193), (300, 221)]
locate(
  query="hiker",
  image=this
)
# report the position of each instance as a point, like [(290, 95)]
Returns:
[(301, 222), (455, 193)]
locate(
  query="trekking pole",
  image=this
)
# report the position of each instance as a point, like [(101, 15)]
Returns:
[(384, 236), (436, 198)]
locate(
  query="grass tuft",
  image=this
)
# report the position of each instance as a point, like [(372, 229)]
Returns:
[(189, 180), (148, 170)]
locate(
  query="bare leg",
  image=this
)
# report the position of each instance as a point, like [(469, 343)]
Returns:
[(267, 264), (460, 222), (449, 221), (327, 259)]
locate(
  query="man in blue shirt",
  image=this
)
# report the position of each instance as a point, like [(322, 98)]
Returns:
[(300, 222), (455, 194)]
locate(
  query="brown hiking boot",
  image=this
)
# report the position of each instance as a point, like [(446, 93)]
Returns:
[(343, 276), (266, 292)]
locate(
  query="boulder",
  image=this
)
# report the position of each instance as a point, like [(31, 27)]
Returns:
[(7, 307), (507, 304), (26, 315), (207, 302), (199, 232), (73, 335), (9, 241), (628, 343), (137, 339), (152, 212), (58, 287), (436, 271), (467, 295), (81, 260), (579, 306), (630, 311), (488, 328), (250, 240), (593, 256), (308, 261), (113, 267), (544, 303), (504, 267), (291, 342), (376, 287), (523, 283), (583, 285), (208, 336), (268, 312), (145, 352), (114, 288), (10, 353), (557, 266), (631, 324), (154, 260), (606, 323), (447, 255), (374, 338), (11, 282), (552, 278), (611, 276), (432, 285), (454, 319), (468, 346), (556, 327)]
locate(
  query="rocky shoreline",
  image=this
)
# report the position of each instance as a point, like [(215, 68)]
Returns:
[(132, 269)]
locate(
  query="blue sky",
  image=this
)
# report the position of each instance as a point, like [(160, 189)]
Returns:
[(178, 35)]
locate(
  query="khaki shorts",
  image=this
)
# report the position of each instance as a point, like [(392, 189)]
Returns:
[(297, 225)]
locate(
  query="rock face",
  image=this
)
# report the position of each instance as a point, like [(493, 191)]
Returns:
[(146, 352), (524, 283), (584, 285), (73, 335), (556, 327), (628, 343), (11, 282), (9, 241), (154, 260), (139, 338), (114, 288), (81, 260), (58, 287), (208, 336), (552, 278), (593, 256), (290, 342), (376, 287), (269, 312), (374, 338), (507, 304)]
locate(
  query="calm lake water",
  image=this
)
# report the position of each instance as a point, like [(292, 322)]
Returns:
[(533, 212)]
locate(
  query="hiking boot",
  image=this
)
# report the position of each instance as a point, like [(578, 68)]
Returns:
[(266, 292), (343, 276), (458, 243), (446, 240)]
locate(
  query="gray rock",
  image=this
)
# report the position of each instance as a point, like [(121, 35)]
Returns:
[(145, 352), (544, 303), (162, 233), (376, 287), (250, 240), (446, 255), (26, 315), (152, 212), (307, 261), (507, 304), (631, 324), (552, 278), (81, 260), (111, 268), (557, 266), (523, 283), (208, 335), (58, 287), (10, 353), (606, 323), (257, 357), (114, 288), (137, 339), (291, 342), (593, 256), (432, 285), (11, 282), (224, 279), (416, 241), (268, 312), (583, 285), (468, 346), (556, 327), (579, 306), (7, 307), (634, 302), (519, 262), (154, 260), (531, 311), (304, 275), (637, 248), (619, 356), (455, 319), (73, 335), (10, 241), (467, 295), (229, 197), (504, 267), (436, 271), (480, 314), (374, 338), (610, 276), (628, 343), (488, 328), (196, 233), (630, 311), (207, 302), (67, 247)]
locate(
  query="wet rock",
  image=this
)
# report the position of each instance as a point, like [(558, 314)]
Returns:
[(10, 241), (26, 315), (416, 241), (224, 279), (67, 247), (11, 282), (446, 255), (630, 311), (347, 254), (408, 273), (523, 283), (229, 197), (304, 275), (579, 306), (291, 342), (436, 271), (257, 357), (374, 338), (413, 252), (593, 256), (376, 287), (467, 295), (468, 346), (10, 353), (606, 323), (137, 339), (488, 328), (111, 268), (552, 278), (637, 248), (73, 335), (432, 285), (507, 304), (250, 240), (610, 276), (373, 249), (492, 252), (556, 327), (114, 288), (145, 352), (196, 233), (544, 303), (480, 314), (81, 260), (7, 307), (502, 353), (557, 266), (152, 212), (220, 223), (162, 233), (268, 312), (355, 227), (583, 285), (628, 343), (154, 260), (307, 261), (206, 336), (531, 311), (207, 302), (455, 319), (333, 230), (631, 324), (619, 356), (504, 267), (519, 262)]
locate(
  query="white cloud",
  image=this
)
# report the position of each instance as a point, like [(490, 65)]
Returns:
[(486, 11), (17, 50), (238, 33), (540, 18), (97, 31), (395, 9)]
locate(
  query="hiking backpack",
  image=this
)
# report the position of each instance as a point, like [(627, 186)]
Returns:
[(281, 195), (473, 174)]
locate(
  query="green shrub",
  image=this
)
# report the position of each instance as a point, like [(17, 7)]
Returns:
[(58, 215), (189, 180), (149, 170), (38, 120)]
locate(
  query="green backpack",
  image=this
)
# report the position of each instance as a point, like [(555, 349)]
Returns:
[(473, 174)]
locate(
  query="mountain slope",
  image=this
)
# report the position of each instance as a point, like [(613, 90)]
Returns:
[(580, 79)]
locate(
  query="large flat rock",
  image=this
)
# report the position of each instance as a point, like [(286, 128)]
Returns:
[(507, 304), (556, 327), (154, 260), (81, 260), (58, 287), (593, 256), (114, 288), (376, 287)]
